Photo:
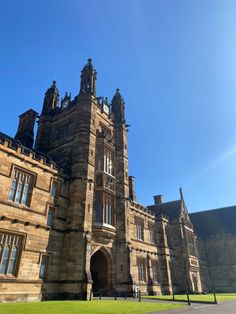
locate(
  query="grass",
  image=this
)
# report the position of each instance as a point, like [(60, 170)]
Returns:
[(198, 297), (85, 307)]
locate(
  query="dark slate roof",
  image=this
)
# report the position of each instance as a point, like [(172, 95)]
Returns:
[(214, 222), (170, 209)]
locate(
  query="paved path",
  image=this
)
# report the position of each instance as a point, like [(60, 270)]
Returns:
[(228, 307)]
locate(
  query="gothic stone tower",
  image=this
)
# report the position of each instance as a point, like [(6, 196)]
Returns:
[(87, 138)]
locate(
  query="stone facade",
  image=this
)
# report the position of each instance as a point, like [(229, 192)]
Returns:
[(70, 224)]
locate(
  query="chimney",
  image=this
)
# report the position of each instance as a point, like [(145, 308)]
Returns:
[(158, 199), (132, 194), (25, 132)]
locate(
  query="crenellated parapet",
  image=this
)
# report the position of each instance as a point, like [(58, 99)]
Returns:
[(14, 147), (141, 209)]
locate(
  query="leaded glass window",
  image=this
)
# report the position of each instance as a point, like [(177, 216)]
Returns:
[(21, 187), (10, 246), (141, 269)]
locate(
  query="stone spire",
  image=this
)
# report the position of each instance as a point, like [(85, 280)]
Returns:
[(88, 79), (51, 99), (118, 107)]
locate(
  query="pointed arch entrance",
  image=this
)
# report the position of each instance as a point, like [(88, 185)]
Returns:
[(100, 268)]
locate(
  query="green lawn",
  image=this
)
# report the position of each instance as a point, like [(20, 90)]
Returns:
[(85, 307), (198, 297)]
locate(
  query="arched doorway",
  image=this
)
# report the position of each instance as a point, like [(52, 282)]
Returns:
[(100, 267)]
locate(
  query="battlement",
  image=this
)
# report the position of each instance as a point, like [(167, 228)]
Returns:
[(141, 209), (15, 145)]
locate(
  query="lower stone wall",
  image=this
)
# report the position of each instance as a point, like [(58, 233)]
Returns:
[(20, 297)]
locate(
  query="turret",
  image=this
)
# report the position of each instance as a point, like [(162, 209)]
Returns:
[(118, 107), (25, 132), (51, 99), (88, 79)]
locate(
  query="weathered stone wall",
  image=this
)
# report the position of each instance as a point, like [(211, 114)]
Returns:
[(30, 223), (144, 249)]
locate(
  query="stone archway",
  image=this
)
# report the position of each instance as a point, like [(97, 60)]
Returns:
[(100, 268)]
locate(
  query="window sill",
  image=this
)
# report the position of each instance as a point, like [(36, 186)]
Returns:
[(104, 231), (8, 276), (18, 204), (103, 225), (142, 241), (139, 240)]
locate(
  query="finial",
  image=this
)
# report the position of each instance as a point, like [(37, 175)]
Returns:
[(54, 83), (89, 60), (181, 193), (117, 90)]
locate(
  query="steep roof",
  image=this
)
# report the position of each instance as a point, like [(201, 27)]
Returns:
[(214, 222), (170, 209)]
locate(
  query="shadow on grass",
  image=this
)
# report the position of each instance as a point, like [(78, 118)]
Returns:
[(183, 301)]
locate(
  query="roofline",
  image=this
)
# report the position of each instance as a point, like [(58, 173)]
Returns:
[(211, 210)]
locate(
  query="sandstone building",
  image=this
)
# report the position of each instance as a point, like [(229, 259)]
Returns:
[(69, 219)]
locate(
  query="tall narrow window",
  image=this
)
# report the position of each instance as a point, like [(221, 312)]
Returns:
[(21, 187), (10, 246), (107, 209), (5, 258), (108, 161), (152, 235), (54, 188), (98, 208), (13, 259), (139, 230), (155, 271), (141, 269), (50, 216), (43, 266)]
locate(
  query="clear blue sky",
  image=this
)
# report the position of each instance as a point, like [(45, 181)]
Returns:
[(175, 63)]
